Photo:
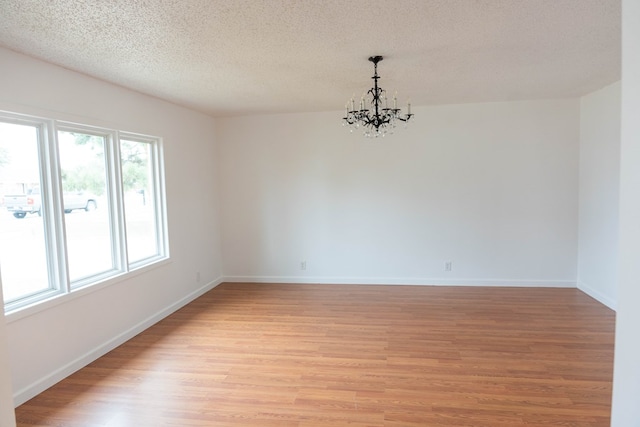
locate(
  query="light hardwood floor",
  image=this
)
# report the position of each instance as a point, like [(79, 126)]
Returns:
[(336, 355)]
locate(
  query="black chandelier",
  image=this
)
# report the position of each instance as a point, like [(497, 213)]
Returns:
[(374, 116)]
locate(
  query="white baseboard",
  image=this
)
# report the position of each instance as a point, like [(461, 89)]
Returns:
[(598, 296), (44, 383), (402, 281)]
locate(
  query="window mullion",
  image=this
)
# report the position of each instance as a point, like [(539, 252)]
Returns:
[(116, 195), (52, 210), (160, 205)]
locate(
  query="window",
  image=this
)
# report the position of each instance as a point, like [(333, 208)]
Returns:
[(79, 205), (139, 171), (23, 252), (90, 247)]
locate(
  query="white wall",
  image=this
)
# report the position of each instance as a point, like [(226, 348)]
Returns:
[(626, 385), (47, 345), (491, 187), (599, 185)]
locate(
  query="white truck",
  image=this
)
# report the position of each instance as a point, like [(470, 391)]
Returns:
[(30, 203)]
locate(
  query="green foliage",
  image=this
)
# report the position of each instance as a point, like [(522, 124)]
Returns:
[(135, 159), (134, 177), (95, 142), (4, 156), (90, 177), (85, 177)]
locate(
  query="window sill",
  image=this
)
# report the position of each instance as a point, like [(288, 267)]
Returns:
[(53, 301)]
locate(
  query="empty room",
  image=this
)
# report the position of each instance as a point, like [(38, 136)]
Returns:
[(319, 213)]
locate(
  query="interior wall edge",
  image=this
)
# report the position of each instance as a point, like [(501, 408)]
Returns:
[(598, 296)]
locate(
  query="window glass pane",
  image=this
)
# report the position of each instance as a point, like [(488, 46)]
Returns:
[(84, 184), (22, 238), (139, 203)]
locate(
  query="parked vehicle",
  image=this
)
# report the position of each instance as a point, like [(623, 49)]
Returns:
[(22, 204)]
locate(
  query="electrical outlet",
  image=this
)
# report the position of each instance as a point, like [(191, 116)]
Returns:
[(197, 276), (303, 265), (448, 265)]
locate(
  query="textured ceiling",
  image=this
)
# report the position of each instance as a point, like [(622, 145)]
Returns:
[(258, 56)]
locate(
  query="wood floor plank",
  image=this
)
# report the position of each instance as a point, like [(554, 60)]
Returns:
[(292, 355)]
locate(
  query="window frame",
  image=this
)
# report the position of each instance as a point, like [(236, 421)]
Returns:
[(157, 173), (60, 287)]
